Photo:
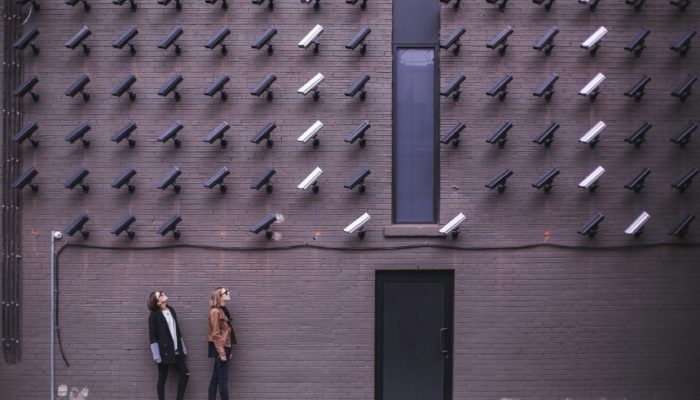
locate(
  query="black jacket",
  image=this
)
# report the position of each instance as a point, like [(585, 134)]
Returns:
[(162, 345)]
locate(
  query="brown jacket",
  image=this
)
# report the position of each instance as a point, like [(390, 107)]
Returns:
[(221, 332)]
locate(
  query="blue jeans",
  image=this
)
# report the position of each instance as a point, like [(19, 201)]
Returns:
[(219, 377)]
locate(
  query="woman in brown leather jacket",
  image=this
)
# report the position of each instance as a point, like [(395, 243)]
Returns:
[(221, 337)]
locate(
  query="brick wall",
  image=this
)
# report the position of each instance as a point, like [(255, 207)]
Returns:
[(613, 317)]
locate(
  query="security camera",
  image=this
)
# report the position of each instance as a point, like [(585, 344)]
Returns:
[(26, 179), (218, 86), (169, 179), (73, 3), (358, 179), (26, 40), (681, 4), (452, 87), (77, 179), (453, 135), (501, 7), (79, 133), (590, 3), (682, 45), (363, 5), (637, 226), (638, 43), (682, 91), (171, 86), (79, 87), (218, 179), (270, 5), (170, 39), (170, 226), (453, 40), (264, 86), (500, 181), (265, 39), (546, 42), (359, 39), (312, 85), (681, 229), (358, 225), (637, 4), (684, 182), (178, 5), (501, 40), (125, 87), (311, 132), (591, 227), (546, 88), (500, 89), (500, 137), (123, 226), (263, 179), (453, 226), (547, 180), (592, 88), (125, 133), (26, 87), (637, 183), (125, 179), (125, 39), (359, 133), (590, 182), (547, 6), (78, 39), (317, 3), (121, 3), (311, 181), (637, 90), (637, 138), (264, 134), (592, 137), (358, 86), (77, 226), (312, 38), (171, 133), (547, 136), (265, 223), (683, 137), (593, 42), (26, 134), (455, 6), (218, 39), (218, 134), (224, 4), (35, 6)]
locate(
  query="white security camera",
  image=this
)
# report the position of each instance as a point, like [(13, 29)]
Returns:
[(593, 135), (453, 226), (311, 38), (593, 42), (358, 225), (638, 225), (312, 85), (311, 180), (312, 132), (591, 89), (591, 181)]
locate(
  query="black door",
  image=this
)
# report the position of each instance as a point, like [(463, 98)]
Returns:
[(413, 335)]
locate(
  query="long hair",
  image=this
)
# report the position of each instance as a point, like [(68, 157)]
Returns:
[(152, 303), (215, 300)]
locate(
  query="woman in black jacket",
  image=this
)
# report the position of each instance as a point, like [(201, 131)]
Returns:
[(166, 343)]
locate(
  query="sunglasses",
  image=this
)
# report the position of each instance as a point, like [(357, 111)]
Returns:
[(161, 294), (224, 292)]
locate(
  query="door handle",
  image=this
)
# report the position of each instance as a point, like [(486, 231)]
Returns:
[(443, 342)]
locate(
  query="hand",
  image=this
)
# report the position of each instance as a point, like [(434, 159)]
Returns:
[(222, 358)]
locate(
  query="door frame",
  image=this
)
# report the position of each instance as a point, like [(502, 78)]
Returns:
[(412, 275)]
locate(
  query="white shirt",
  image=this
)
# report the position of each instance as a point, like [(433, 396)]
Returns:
[(171, 325)]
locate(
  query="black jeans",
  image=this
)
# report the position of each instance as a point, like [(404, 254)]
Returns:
[(182, 371), (219, 377)]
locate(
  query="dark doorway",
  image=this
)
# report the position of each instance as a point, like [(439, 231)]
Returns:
[(413, 335)]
